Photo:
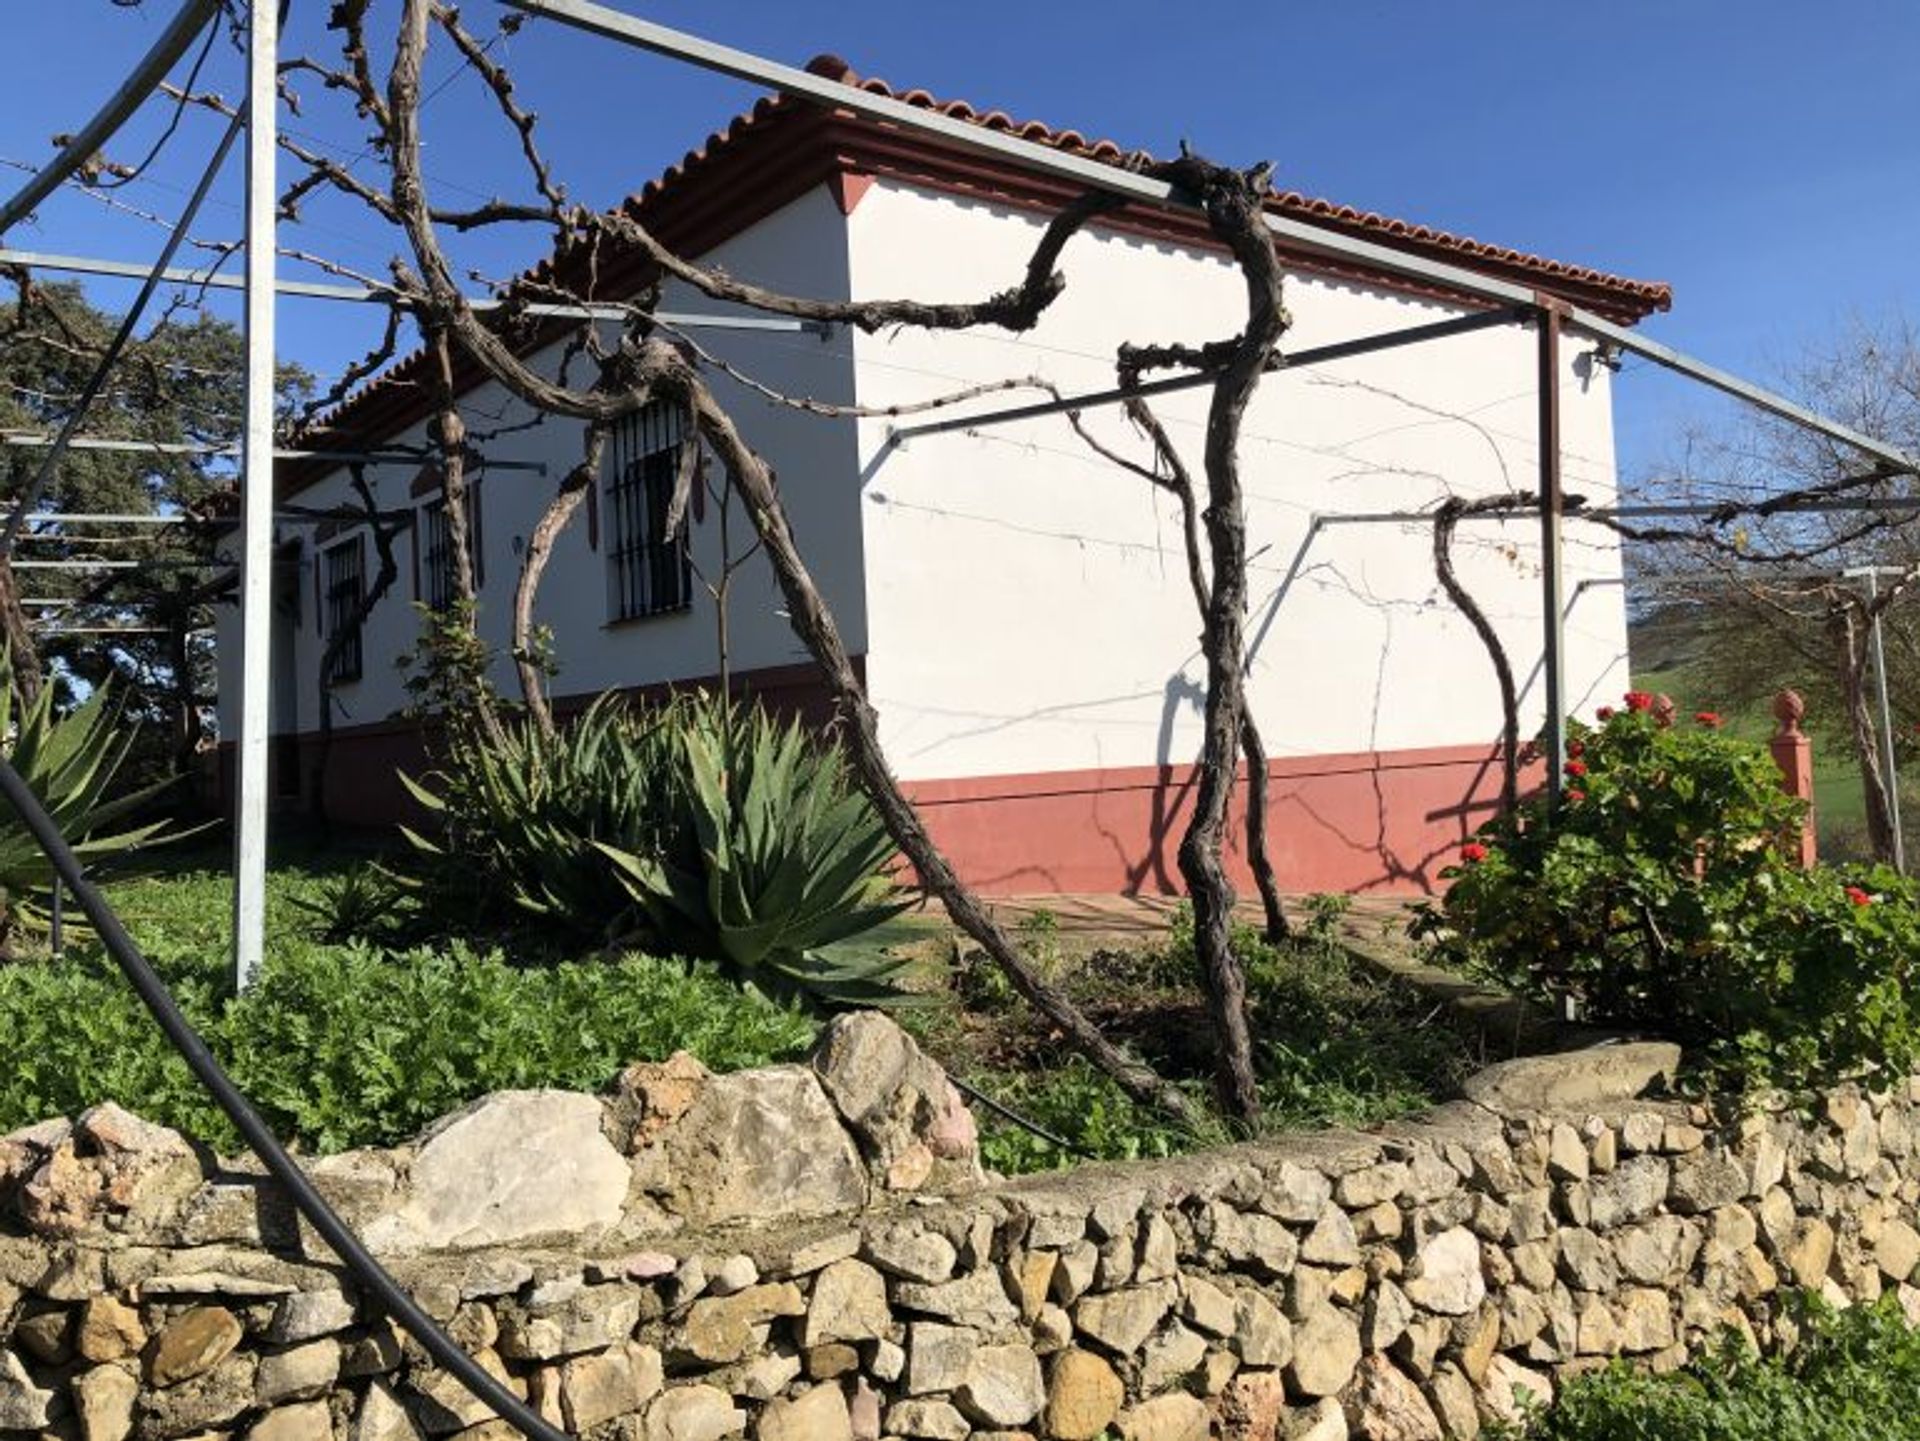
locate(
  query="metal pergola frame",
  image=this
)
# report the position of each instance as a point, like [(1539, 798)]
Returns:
[(1514, 303), (318, 290)]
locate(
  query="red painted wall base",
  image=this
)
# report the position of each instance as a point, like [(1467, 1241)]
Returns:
[(1381, 822)]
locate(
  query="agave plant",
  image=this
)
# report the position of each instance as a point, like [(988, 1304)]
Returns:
[(69, 762), (705, 829), (780, 859), (520, 817)]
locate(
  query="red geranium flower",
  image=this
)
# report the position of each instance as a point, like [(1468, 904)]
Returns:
[(1576, 768), (1574, 797), (1859, 897), (1605, 713), (1576, 748), (1639, 700), (1708, 718), (1473, 851)]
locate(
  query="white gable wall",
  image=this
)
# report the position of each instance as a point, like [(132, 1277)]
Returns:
[(1029, 609), (800, 248)]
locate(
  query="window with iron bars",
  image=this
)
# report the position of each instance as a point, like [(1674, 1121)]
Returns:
[(648, 570), (436, 548), (346, 587)]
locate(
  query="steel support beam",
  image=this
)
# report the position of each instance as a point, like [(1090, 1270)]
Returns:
[(319, 290), (172, 447), (1096, 175), (256, 502), (1299, 360), (193, 17), (1553, 621), (1755, 395)]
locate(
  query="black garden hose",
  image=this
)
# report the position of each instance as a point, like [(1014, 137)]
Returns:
[(373, 1278)]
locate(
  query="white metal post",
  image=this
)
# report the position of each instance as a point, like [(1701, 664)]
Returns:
[(1889, 762), (256, 506)]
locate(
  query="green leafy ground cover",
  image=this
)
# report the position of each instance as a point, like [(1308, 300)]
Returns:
[(350, 1042), (345, 1043), (1853, 1376)]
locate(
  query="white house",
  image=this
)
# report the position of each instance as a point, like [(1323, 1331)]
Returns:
[(1020, 606)]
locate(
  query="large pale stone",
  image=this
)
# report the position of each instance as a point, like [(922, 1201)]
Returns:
[(310, 1421), (1331, 1242), (1325, 1420), (1446, 1276), (382, 1418), (1205, 1305), (1451, 1395), (1706, 1181), (1646, 1321), (1657, 1251), (1262, 1335), (594, 1389), (300, 1374), (849, 1304), (24, 1406), (1387, 1314), (938, 1356), (719, 1329), (911, 1120), (1173, 1354), (1166, 1418), (1383, 1405), (103, 1399), (1587, 1080), (1897, 1250), (1808, 1251), (110, 1167), (1587, 1261), (914, 1254), (589, 1319), (510, 1168), (1326, 1348), (1003, 1386), (817, 1415), (445, 1405), (1509, 1386), (193, 1344), (1252, 1240), (1083, 1396), (1632, 1191), (1295, 1194), (978, 1299), (1122, 1320), (109, 1329), (693, 1413), (756, 1144), (932, 1420)]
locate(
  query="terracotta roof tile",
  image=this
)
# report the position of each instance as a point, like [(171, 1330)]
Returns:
[(1634, 297)]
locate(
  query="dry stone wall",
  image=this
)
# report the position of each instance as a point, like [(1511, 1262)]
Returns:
[(811, 1253)]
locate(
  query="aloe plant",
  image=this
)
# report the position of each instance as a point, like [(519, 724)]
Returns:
[(69, 762)]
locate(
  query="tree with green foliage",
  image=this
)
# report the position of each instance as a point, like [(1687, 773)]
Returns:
[(1758, 598), (182, 381)]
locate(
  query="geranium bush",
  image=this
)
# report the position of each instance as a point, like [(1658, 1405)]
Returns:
[(1657, 894)]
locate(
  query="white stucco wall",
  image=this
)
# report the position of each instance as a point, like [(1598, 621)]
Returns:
[(800, 248), (1028, 606)]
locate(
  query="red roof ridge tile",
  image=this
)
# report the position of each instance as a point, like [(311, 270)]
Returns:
[(1633, 298)]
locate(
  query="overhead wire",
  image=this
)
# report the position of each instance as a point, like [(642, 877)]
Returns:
[(30, 497)]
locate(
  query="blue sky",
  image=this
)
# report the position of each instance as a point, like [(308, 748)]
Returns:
[(1761, 156)]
